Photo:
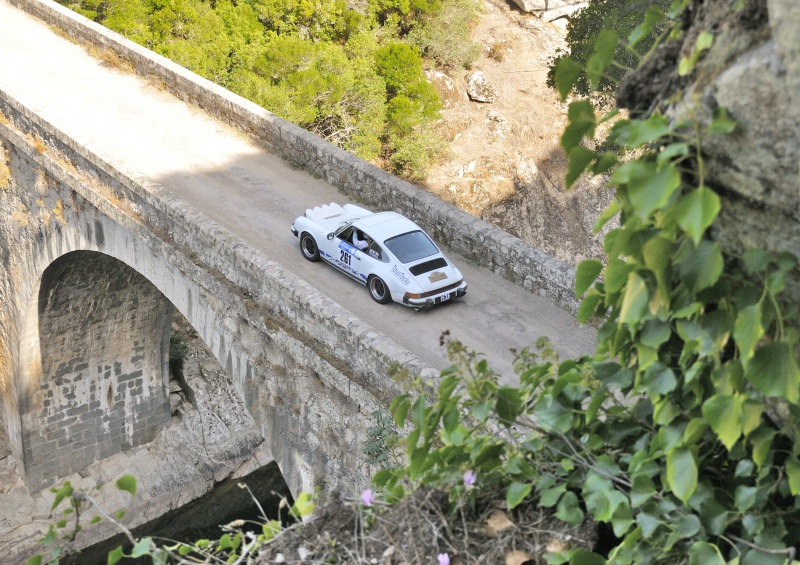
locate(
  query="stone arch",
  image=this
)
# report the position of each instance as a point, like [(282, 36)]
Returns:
[(94, 363)]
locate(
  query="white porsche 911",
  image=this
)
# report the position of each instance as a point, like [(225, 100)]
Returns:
[(385, 251)]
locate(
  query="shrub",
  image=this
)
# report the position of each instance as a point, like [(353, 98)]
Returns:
[(445, 36), (681, 432)]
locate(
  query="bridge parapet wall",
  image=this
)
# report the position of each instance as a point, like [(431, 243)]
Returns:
[(482, 242)]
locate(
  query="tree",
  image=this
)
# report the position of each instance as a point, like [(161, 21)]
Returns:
[(619, 16)]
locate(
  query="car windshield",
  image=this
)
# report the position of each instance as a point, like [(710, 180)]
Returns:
[(411, 246)]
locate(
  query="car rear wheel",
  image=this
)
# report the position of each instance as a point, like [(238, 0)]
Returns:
[(308, 245), (378, 290)]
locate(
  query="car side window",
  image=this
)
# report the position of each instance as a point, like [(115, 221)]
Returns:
[(374, 250), (346, 234)]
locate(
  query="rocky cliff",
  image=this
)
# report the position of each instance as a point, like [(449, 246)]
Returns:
[(752, 70)]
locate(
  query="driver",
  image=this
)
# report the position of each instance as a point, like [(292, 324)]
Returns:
[(357, 241)]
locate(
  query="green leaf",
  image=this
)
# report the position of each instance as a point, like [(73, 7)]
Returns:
[(681, 472), (115, 555), (748, 331), (687, 525), (670, 152), (586, 273), (185, 550), (761, 440), (657, 254), (696, 211), (634, 303), (755, 260), (613, 374), (642, 490), (509, 404), (127, 483), (724, 414), (567, 72), (773, 370), (602, 57), (569, 510), (704, 41), (64, 492), (418, 413), (607, 214), (579, 159), (745, 497), (701, 266), (651, 18), (604, 162), (550, 497), (516, 493), (659, 379), (641, 132), (303, 506), (225, 543), (142, 547), (654, 333), (95, 520), (581, 123), (119, 514), (35, 560), (648, 188), (722, 122), (588, 306), (704, 553), (793, 473), (399, 409), (616, 274)]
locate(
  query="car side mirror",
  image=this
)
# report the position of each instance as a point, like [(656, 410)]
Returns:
[(330, 235)]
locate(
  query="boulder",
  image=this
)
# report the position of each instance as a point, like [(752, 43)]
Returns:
[(479, 89)]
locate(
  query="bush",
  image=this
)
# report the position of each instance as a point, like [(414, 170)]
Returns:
[(445, 36), (681, 432)]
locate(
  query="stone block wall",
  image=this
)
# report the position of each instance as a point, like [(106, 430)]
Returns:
[(482, 242), (102, 384)]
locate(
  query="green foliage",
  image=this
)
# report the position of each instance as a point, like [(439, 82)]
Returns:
[(380, 438), (178, 350), (681, 432), (237, 544), (317, 64), (444, 36), (598, 25)]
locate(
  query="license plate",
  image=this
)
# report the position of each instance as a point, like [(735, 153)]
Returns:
[(442, 298)]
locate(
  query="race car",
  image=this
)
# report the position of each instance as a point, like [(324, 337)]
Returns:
[(385, 251)]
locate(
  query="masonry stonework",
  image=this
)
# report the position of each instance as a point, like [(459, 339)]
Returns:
[(103, 346)]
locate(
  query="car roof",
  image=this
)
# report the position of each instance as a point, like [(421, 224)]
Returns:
[(384, 225)]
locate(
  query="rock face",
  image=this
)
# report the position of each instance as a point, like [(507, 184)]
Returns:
[(752, 70), (479, 89)]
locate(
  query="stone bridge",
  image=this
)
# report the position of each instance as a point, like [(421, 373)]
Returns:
[(97, 255)]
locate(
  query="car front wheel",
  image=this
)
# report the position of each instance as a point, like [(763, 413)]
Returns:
[(378, 290), (308, 245)]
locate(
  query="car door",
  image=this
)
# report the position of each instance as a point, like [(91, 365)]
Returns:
[(347, 257)]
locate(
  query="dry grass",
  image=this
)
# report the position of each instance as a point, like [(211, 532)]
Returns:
[(496, 50), (109, 58), (417, 529)]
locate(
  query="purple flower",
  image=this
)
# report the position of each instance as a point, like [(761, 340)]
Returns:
[(470, 477), (443, 559), (367, 497)]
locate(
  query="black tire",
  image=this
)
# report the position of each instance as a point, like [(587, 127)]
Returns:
[(308, 245), (378, 290)]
